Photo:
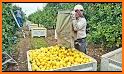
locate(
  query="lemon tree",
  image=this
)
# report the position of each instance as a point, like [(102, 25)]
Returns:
[(104, 21), (105, 24), (47, 16), (9, 29)]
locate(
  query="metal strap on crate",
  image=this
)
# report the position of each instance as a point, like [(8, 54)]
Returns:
[(115, 62)]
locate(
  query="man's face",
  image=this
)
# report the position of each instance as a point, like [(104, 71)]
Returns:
[(78, 13)]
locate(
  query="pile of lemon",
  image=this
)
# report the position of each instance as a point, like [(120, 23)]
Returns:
[(56, 57)]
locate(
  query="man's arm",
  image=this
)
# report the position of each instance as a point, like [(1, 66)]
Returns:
[(79, 25), (74, 24)]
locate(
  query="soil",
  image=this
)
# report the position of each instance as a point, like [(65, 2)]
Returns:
[(21, 56), (50, 38)]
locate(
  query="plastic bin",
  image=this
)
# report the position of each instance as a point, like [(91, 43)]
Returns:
[(112, 61), (39, 31), (33, 26)]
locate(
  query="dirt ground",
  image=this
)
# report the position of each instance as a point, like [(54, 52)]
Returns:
[(25, 44), (20, 56), (50, 38)]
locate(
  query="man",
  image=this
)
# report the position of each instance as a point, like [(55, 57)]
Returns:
[(79, 26), (19, 17)]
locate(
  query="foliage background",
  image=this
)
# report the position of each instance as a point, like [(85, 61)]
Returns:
[(104, 21)]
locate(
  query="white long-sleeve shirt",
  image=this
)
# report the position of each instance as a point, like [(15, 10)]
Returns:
[(80, 26)]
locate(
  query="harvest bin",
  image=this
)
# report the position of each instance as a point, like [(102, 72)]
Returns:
[(112, 61), (91, 66), (33, 26), (39, 31)]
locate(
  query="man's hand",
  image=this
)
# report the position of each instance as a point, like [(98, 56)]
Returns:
[(73, 15)]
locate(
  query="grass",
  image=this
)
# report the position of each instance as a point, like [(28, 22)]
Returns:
[(37, 43)]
